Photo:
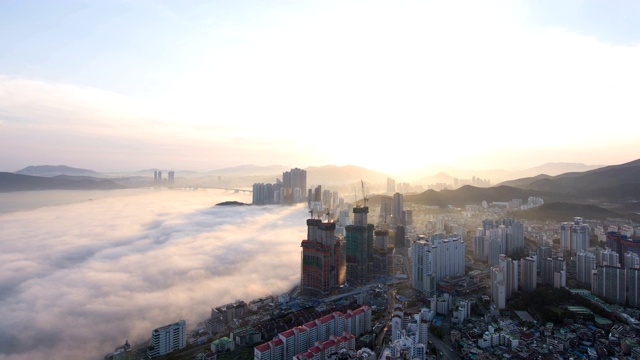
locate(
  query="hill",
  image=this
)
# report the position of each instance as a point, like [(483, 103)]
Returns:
[(561, 211), (468, 195), (498, 176), (55, 170), (19, 182), (579, 182)]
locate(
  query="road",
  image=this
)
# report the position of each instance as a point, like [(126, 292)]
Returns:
[(444, 349)]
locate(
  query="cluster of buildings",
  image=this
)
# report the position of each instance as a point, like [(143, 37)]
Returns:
[(354, 255), (353, 252), (434, 258), (158, 181), (612, 275), (319, 338), (291, 189), (409, 334)]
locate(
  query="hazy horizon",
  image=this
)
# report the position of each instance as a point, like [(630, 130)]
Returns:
[(79, 278), (203, 85)]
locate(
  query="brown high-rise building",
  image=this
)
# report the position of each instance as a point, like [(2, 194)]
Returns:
[(323, 267)]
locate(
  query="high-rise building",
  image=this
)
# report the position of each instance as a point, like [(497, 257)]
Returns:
[(543, 252), (167, 339), (579, 235), (633, 287), (157, 177), (391, 186), (291, 180), (381, 252), (171, 180), (515, 237), (611, 284), (574, 237), (480, 247), (621, 244), (529, 274), (631, 260), (434, 258), (553, 271), (386, 206), (400, 236), (498, 288), (495, 249), (449, 255), (326, 199), (511, 271), (565, 236), (608, 257), (359, 244), (585, 265), (423, 272), (398, 209), (323, 259), (264, 194)]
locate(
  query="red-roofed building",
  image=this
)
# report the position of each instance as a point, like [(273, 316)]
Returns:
[(312, 336), (262, 352), (302, 339), (329, 347), (325, 327), (339, 323), (277, 349), (306, 356), (289, 339), (327, 334)]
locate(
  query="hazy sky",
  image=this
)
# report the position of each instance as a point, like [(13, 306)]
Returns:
[(127, 85), (77, 280)]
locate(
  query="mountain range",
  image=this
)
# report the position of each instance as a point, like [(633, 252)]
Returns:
[(611, 191), (605, 190)]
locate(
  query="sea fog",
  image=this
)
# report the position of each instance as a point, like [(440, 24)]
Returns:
[(81, 272)]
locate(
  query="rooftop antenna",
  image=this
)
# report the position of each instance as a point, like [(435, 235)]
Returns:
[(328, 213)]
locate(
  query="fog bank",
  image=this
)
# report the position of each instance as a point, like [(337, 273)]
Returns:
[(77, 280)]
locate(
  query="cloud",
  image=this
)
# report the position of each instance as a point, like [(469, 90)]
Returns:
[(79, 279)]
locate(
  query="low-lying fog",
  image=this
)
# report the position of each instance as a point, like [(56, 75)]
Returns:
[(81, 276)]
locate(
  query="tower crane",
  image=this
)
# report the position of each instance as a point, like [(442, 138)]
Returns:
[(364, 197)]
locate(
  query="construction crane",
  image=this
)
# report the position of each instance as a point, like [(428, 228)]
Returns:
[(355, 197), (364, 197)]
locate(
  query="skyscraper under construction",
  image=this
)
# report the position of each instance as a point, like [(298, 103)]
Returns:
[(359, 242), (323, 259)]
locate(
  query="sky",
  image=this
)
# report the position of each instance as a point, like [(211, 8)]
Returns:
[(79, 279), (202, 85)]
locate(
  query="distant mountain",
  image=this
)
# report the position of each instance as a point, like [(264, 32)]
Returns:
[(470, 195), (499, 176), (342, 175), (250, 170), (55, 170), (557, 168), (593, 181), (617, 186), (524, 183), (19, 182)]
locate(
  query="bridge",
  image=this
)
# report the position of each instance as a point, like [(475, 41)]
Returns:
[(222, 188), (236, 190)]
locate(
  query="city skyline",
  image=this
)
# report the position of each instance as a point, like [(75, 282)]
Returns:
[(115, 86)]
